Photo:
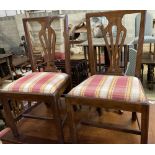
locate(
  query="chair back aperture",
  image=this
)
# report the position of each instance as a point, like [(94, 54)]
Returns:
[(114, 43), (148, 25), (45, 36)]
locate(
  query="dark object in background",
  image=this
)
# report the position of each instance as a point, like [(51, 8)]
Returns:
[(24, 45), (3, 67), (2, 51), (4, 70), (2, 124), (79, 69)]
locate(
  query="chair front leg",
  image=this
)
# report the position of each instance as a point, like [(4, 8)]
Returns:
[(58, 122), (144, 124), (134, 116), (9, 117), (72, 124)]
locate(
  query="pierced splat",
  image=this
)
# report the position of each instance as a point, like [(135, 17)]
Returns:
[(47, 39), (114, 43)]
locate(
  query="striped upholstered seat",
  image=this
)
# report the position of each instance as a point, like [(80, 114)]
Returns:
[(124, 88), (38, 82)]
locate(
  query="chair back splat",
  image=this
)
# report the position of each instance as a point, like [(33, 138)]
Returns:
[(47, 39), (114, 42)]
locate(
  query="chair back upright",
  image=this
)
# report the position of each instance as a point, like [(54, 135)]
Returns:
[(46, 41), (114, 43)]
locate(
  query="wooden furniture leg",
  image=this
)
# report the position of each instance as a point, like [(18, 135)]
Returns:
[(9, 119), (85, 52), (72, 125), (150, 76), (150, 47), (9, 67), (134, 116), (58, 122), (144, 124)]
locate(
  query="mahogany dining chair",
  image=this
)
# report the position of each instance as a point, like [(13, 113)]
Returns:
[(113, 90), (40, 87)]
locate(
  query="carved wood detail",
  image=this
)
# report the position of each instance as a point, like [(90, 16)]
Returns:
[(47, 37), (113, 43), (47, 40)]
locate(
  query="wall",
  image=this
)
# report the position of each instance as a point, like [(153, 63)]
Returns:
[(9, 36), (19, 24)]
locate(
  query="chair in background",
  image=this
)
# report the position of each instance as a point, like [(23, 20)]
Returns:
[(148, 34), (149, 38), (39, 87), (111, 91)]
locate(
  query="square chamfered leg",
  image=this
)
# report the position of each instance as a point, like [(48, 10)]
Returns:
[(9, 117), (144, 124), (71, 120), (58, 121)]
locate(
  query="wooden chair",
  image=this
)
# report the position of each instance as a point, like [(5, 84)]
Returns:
[(111, 91), (149, 38), (41, 87)]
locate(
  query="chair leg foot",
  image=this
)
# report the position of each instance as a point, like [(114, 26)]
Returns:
[(144, 124), (72, 125), (99, 111), (59, 129), (58, 122), (134, 116), (9, 118)]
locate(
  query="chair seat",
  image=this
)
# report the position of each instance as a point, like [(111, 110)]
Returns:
[(124, 88), (38, 82)]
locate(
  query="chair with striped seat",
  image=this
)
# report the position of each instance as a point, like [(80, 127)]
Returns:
[(114, 89), (39, 87)]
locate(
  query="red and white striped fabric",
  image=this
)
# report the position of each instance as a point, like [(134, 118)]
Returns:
[(38, 82), (124, 88), (4, 131)]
